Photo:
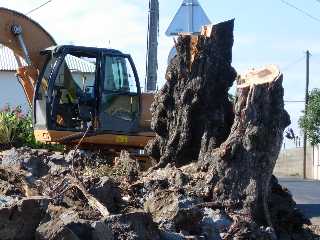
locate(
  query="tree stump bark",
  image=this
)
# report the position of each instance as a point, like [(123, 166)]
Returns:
[(195, 121), (193, 105), (241, 168)]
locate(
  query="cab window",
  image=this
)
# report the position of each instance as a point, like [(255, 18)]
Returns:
[(119, 76), (73, 98), (119, 106)]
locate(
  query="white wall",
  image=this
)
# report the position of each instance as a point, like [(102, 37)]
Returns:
[(316, 162), (11, 91), (290, 162)]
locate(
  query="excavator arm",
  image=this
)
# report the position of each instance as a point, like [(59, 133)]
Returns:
[(26, 38)]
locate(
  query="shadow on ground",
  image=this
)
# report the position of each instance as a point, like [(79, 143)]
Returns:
[(310, 210)]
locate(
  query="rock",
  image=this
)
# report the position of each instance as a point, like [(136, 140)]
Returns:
[(102, 231), (38, 163), (187, 221), (31, 160), (126, 166), (171, 236), (11, 157), (77, 156), (174, 176), (107, 192), (216, 218), (12, 182), (6, 201), (180, 179), (242, 229), (163, 206), (20, 220), (213, 223), (173, 211), (130, 226), (6, 188), (66, 225), (57, 163), (81, 158)]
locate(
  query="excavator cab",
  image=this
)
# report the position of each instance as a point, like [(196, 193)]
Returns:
[(87, 89)]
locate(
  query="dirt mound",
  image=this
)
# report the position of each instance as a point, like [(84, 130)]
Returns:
[(168, 203)]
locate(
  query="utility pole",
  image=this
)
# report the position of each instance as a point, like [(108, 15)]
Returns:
[(152, 52), (305, 112)]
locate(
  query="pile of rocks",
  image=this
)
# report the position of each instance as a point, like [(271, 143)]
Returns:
[(40, 198)]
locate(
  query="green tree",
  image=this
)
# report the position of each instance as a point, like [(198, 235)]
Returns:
[(310, 121)]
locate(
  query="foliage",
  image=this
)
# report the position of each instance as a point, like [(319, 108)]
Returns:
[(10, 120), (310, 122), (16, 130)]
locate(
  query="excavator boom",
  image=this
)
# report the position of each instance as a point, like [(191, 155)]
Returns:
[(26, 38)]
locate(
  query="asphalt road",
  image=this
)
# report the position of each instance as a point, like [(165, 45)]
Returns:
[(307, 195)]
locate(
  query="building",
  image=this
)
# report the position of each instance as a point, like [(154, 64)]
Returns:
[(10, 90), (290, 162), (316, 162)]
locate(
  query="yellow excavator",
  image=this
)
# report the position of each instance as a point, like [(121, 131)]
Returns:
[(77, 92)]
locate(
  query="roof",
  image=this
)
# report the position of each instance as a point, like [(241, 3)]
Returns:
[(79, 65), (8, 62), (188, 20)]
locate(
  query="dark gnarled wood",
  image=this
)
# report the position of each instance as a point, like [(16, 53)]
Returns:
[(241, 168), (193, 106), (194, 120)]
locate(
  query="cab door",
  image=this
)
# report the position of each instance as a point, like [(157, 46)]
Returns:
[(120, 95)]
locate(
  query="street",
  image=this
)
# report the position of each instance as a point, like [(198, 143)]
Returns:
[(307, 195)]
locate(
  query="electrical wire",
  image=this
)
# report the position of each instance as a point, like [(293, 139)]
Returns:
[(300, 10), (37, 8), (286, 68), (293, 63)]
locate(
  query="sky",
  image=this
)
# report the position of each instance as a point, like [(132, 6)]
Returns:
[(266, 32)]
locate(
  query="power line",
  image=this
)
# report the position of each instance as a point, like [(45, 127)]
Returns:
[(37, 8), (293, 63), (302, 11)]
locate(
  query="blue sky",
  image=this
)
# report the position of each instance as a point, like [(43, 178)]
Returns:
[(265, 32)]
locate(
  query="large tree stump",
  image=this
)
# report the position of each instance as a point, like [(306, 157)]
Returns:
[(195, 121), (241, 168), (193, 105)]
